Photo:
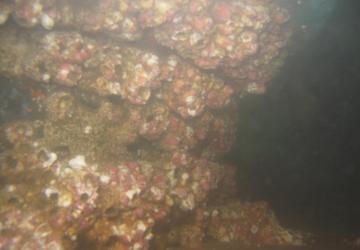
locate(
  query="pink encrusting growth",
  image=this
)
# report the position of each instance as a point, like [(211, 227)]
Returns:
[(126, 152)]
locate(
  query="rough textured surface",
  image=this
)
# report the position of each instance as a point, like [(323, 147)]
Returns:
[(243, 39), (128, 141)]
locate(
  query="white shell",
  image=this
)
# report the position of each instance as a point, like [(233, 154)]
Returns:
[(47, 22), (49, 191), (254, 229), (188, 203), (149, 236), (119, 230), (65, 200), (132, 192), (46, 77), (190, 99), (185, 176), (78, 162), (137, 246), (141, 226), (173, 62), (37, 7), (87, 129), (156, 192), (192, 112), (195, 38), (114, 88), (163, 6), (10, 188), (105, 179), (3, 17), (152, 59), (52, 158)]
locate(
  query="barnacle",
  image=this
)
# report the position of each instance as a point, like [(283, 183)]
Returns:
[(132, 131)]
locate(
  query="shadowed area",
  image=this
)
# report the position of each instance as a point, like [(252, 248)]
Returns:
[(299, 143), (238, 246)]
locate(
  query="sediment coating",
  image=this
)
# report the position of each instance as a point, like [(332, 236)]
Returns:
[(73, 60), (245, 40), (100, 200), (121, 19), (129, 140), (70, 59)]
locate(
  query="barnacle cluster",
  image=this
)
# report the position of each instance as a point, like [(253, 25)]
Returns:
[(248, 223), (138, 103), (251, 223), (242, 39)]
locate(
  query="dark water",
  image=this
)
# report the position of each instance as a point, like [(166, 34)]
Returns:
[(299, 144), (234, 246)]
